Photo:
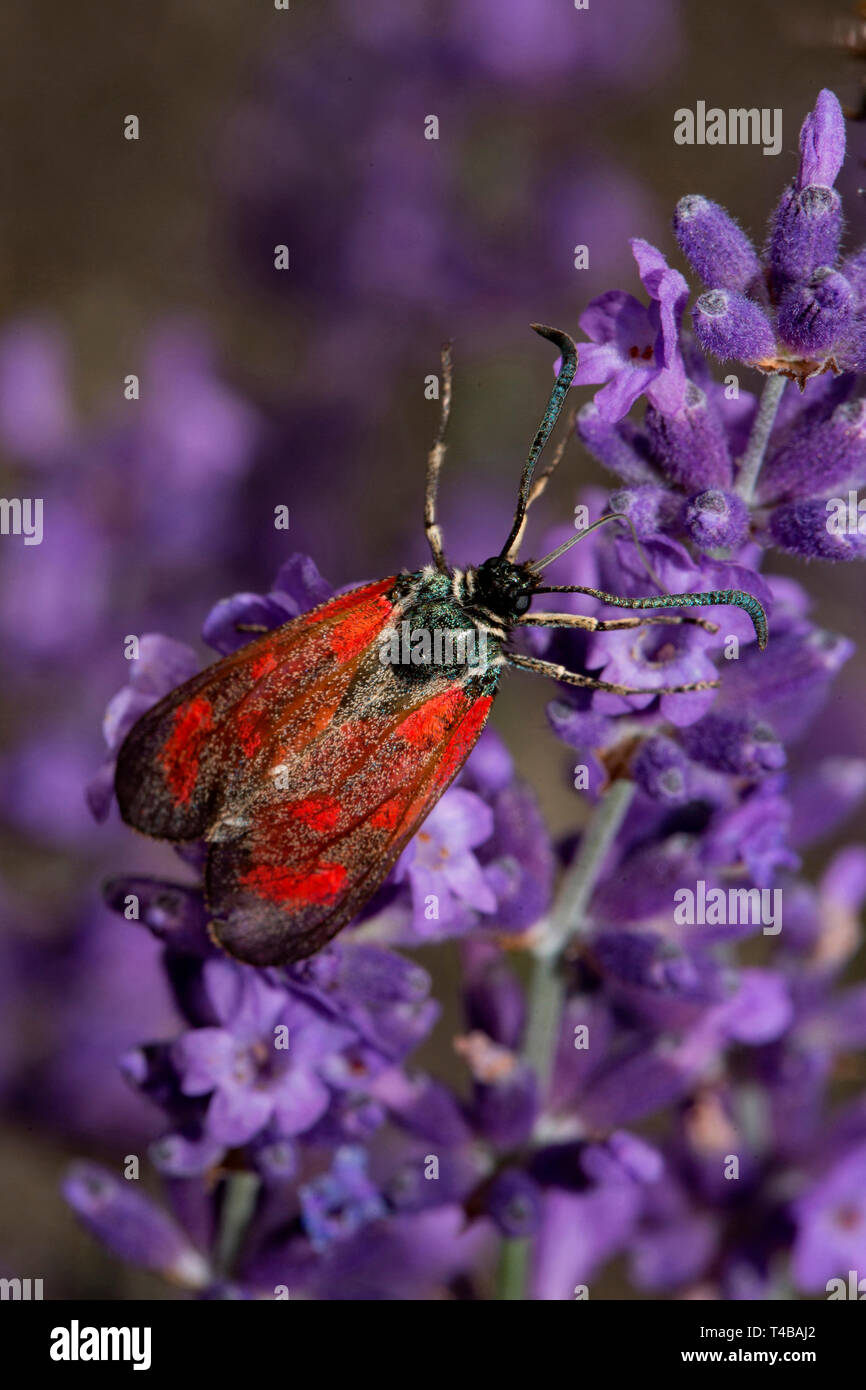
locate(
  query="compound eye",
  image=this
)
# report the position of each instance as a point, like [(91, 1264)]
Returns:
[(522, 603)]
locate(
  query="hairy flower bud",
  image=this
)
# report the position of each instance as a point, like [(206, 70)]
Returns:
[(814, 315), (690, 446), (616, 446), (801, 528), (817, 456), (717, 248), (805, 233), (716, 518), (728, 324)]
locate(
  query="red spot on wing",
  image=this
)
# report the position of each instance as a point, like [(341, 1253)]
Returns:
[(263, 665), (388, 815), (180, 756), (248, 735), (357, 630), (456, 746), (319, 812), (428, 724), (290, 888), (460, 744), (354, 599)]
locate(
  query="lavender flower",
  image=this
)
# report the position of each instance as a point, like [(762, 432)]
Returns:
[(793, 310), (634, 349)]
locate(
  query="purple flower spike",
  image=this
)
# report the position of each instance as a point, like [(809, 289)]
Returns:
[(277, 1162), (504, 1110), (690, 446), (174, 913), (616, 446), (805, 233), (634, 349), (132, 1226), (727, 324), (225, 627), (814, 315), (818, 456), (261, 1068), (734, 744), (715, 245), (175, 1156), (854, 269), (340, 1202), (716, 518), (493, 999), (514, 1202), (822, 142), (831, 1225), (661, 771), (658, 656), (441, 867), (650, 509), (807, 529)]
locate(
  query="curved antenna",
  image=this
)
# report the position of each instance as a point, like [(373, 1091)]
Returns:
[(536, 566), (551, 415)]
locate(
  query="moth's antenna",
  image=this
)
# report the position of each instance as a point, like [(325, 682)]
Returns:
[(536, 566), (551, 415), (434, 465), (539, 483)]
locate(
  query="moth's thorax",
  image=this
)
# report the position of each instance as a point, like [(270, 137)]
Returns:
[(492, 595), (452, 624)]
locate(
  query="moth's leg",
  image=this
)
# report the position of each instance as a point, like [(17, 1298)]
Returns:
[(559, 673), (608, 624), (434, 465)]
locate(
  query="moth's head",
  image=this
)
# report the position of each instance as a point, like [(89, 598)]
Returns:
[(504, 587)]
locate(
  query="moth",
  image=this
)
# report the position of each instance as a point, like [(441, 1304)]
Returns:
[(309, 758)]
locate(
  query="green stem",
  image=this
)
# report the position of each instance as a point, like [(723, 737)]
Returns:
[(568, 919), (762, 427), (239, 1200), (513, 1272), (547, 985)]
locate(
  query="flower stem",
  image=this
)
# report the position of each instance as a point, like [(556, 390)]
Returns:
[(238, 1203), (512, 1275), (568, 918), (547, 985), (762, 427)]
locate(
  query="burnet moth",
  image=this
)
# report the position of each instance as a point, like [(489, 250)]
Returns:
[(308, 759)]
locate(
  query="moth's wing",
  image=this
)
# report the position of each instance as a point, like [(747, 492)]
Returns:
[(200, 749), (311, 856)]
